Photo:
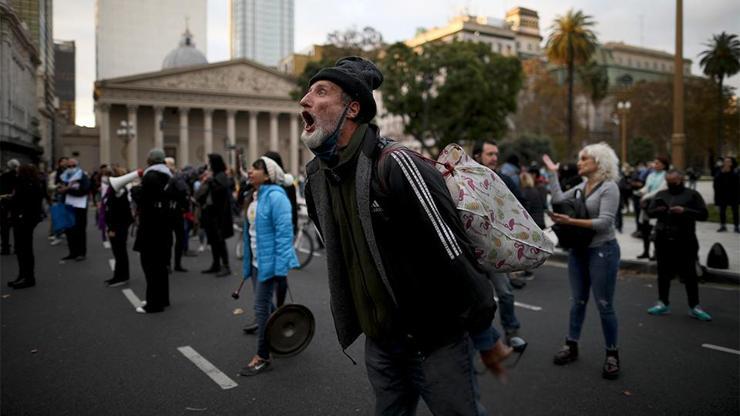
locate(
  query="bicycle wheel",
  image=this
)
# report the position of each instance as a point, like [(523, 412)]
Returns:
[(239, 250), (303, 245)]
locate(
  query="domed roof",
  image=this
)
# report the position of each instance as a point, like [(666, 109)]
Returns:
[(185, 54)]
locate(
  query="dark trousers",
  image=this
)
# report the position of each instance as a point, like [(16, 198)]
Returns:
[(77, 235), (445, 378), (723, 214), (120, 253), (179, 228), (645, 229), (5, 227), (23, 237), (219, 253), (154, 264), (677, 257), (636, 207)]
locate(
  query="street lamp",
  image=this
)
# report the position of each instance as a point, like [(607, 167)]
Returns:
[(126, 131), (623, 107)]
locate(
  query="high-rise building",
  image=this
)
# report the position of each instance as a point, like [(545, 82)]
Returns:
[(37, 16), (64, 78), (134, 36), (261, 30), (19, 114)]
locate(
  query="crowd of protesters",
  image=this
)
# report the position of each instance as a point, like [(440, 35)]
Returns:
[(374, 286)]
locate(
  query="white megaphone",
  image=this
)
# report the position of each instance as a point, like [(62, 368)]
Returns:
[(119, 182)]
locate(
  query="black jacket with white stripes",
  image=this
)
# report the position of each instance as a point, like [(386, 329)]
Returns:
[(417, 242)]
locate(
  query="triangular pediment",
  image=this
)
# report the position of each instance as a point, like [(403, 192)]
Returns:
[(234, 77)]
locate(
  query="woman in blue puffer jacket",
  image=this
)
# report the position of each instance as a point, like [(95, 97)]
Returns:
[(268, 249)]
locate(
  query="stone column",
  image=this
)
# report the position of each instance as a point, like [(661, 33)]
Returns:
[(274, 146), (294, 168), (230, 135), (102, 118), (158, 122), (184, 139), (207, 133), (132, 153), (252, 137)]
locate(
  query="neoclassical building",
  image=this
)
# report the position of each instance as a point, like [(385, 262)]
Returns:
[(191, 108)]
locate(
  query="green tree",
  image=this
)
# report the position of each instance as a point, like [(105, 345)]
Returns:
[(595, 81), (571, 42), (721, 60), (450, 92), (528, 148), (640, 150)]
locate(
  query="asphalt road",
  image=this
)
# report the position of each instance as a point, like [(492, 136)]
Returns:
[(71, 346)]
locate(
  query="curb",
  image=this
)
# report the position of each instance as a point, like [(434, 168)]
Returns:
[(651, 267)]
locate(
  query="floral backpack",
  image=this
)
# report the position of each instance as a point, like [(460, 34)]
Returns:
[(504, 236)]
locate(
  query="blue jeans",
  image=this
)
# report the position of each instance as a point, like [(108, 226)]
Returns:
[(505, 294), (444, 378), (594, 268), (263, 308)]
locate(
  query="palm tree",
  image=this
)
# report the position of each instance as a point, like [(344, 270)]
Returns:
[(571, 42), (596, 82), (721, 60)]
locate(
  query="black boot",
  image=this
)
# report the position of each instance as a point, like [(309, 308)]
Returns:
[(610, 370), (567, 354), (15, 282), (24, 284), (224, 272)]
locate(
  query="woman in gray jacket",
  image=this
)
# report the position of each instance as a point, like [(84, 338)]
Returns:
[(593, 267)]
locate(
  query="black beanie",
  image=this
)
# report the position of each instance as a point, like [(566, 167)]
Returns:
[(357, 77)]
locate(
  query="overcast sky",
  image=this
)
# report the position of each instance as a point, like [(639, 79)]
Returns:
[(648, 23)]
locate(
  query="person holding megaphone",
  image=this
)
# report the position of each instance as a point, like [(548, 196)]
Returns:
[(154, 233)]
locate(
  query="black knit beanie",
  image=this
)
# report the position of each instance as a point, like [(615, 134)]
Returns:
[(357, 77)]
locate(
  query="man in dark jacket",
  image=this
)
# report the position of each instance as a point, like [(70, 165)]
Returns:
[(26, 211), (154, 233), (7, 186), (75, 187), (676, 246), (727, 192), (215, 199), (401, 269)]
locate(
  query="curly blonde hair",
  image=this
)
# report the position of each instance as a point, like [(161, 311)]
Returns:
[(605, 158)]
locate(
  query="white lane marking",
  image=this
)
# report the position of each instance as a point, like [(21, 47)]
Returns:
[(106, 244), (112, 263), (524, 305), (723, 349), (204, 365), (131, 296)]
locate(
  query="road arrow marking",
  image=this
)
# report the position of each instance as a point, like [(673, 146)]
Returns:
[(204, 365), (723, 349), (131, 296)]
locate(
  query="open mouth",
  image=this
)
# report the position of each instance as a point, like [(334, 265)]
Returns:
[(309, 122)]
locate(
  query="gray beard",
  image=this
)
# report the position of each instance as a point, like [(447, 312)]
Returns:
[(314, 139), (319, 135)]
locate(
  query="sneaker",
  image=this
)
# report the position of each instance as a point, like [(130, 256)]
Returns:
[(660, 308), (56, 241), (722, 229), (698, 313), (251, 327), (260, 366), (202, 248)]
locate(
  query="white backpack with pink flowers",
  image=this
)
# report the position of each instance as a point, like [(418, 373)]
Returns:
[(504, 236)]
